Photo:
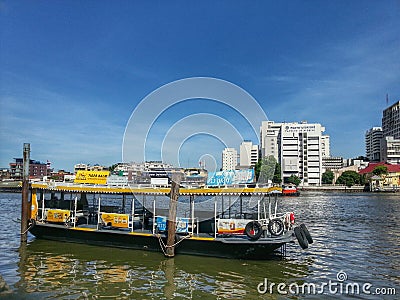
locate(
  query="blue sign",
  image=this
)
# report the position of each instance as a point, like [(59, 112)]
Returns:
[(161, 223), (182, 224), (230, 177)]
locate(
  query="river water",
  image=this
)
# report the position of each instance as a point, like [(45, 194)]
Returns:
[(356, 245)]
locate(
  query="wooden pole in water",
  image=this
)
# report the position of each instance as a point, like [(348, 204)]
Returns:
[(25, 193), (171, 222)]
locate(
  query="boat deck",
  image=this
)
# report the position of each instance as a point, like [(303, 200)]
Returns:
[(224, 238)]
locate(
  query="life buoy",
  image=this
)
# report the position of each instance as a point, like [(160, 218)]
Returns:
[(292, 218), (306, 233), (253, 230), (276, 227), (301, 238)]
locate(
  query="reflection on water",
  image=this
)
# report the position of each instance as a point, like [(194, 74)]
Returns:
[(356, 233), (64, 269)]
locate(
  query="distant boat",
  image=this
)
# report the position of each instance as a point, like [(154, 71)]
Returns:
[(290, 190)]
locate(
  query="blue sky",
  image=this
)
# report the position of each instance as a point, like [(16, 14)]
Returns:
[(73, 72)]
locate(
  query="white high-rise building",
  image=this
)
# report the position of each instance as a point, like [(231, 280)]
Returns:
[(298, 147), (373, 139), (248, 154), (325, 146), (390, 150), (269, 137), (229, 159)]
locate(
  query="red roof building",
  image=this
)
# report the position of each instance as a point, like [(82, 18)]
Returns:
[(384, 181), (372, 166)]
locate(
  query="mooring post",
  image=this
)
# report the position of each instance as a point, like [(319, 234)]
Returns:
[(171, 222), (25, 193)]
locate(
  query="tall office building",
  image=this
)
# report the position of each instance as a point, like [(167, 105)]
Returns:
[(391, 121), (390, 150), (373, 138), (229, 159), (248, 156), (269, 138), (298, 147), (325, 146)]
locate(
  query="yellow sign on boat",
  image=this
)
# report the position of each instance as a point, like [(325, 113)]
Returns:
[(115, 220), (58, 215), (92, 177)]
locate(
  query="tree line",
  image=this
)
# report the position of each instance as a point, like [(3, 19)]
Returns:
[(269, 170)]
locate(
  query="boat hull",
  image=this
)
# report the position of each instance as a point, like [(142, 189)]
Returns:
[(230, 247)]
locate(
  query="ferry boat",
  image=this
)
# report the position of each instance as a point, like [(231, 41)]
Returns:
[(290, 190), (131, 217)]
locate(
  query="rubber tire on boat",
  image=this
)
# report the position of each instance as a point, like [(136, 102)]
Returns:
[(271, 227), (307, 233), (301, 238), (253, 230)]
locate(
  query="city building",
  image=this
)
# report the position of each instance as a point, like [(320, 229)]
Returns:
[(229, 159), (36, 169), (332, 163), (391, 121), (359, 163), (373, 138), (145, 171), (325, 146), (269, 135), (4, 174), (390, 150), (85, 167), (248, 155), (297, 147), (80, 167)]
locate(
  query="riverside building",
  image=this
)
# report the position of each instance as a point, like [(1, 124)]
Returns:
[(373, 139), (391, 150), (229, 159), (37, 170), (391, 121), (298, 147), (248, 156)]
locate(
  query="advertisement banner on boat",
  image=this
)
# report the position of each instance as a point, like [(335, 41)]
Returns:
[(92, 177), (115, 220), (182, 224), (231, 226), (230, 177)]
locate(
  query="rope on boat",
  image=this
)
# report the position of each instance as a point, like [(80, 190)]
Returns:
[(164, 247), (29, 227)]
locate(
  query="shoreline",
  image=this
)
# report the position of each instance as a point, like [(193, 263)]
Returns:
[(14, 187)]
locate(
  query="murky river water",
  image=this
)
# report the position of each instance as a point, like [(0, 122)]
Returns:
[(356, 245)]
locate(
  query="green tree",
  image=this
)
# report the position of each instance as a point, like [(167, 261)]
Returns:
[(349, 178), (112, 167), (256, 169), (277, 175), (293, 179), (265, 169), (327, 177), (380, 170)]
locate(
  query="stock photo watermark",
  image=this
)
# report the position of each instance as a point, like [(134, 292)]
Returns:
[(340, 286)]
